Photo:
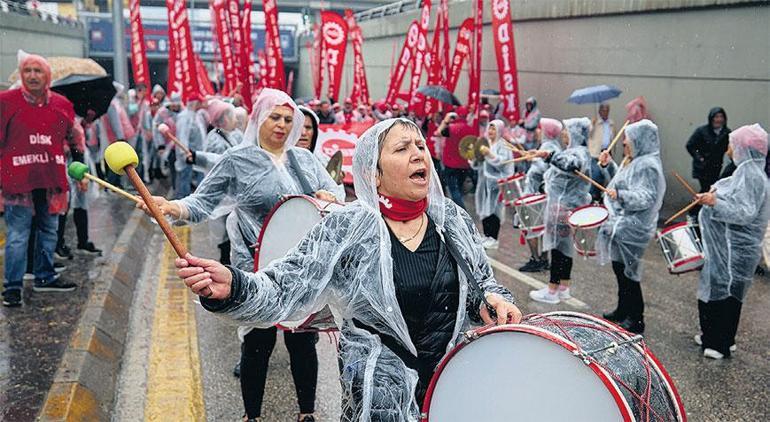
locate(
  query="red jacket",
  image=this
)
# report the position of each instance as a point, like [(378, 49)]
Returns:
[(451, 154), (32, 140)]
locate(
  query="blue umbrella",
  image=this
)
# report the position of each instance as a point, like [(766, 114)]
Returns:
[(594, 94)]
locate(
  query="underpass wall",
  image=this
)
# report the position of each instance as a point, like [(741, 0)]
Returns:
[(684, 56)]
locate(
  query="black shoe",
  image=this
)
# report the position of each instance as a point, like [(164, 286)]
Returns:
[(89, 249), (12, 298), (614, 316), (237, 370), (55, 285), (307, 418), (59, 268), (63, 252), (532, 266), (635, 326), (544, 265)]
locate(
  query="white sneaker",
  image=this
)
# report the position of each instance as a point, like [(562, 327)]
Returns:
[(28, 276), (544, 295), (699, 342), (564, 294), (490, 243), (712, 354)]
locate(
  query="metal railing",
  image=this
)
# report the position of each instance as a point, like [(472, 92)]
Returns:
[(23, 9), (388, 10)]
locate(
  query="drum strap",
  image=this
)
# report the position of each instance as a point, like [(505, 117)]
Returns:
[(472, 282), (306, 189), (224, 136)]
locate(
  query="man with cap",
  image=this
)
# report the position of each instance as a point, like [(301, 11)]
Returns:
[(348, 114), (35, 125)]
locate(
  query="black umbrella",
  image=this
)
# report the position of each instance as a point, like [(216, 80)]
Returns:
[(440, 93), (87, 92)]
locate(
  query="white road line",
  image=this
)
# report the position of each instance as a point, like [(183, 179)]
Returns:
[(532, 282)]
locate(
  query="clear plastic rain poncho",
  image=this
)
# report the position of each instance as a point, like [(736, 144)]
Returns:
[(218, 140), (345, 261), (256, 179), (490, 171), (189, 133), (565, 190), (551, 132), (733, 229), (633, 217)]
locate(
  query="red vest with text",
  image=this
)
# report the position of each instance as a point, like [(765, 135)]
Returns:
[(32, 140)]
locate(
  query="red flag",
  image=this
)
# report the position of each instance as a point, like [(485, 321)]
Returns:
[(262, 59), (138, 53), (290, 83), (474, 90), (444, 13), (248, 49), (432, 64), (403, 62), (502, 30), (360, 92), (462, 51), (320, 63), (334, 30), (175, 84), (203, 77), (222, 29), (419, 56), (274, 53)]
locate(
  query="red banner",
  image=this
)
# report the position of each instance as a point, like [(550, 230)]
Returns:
[(222, 29), (248, 50), (443, 11), (175, 84), (433, 66), (462, 51), (419, 56), (403, 62), (262, 60), (138, 53), (186, 57), (313, 51), (502, 30), (203, 77), (334, 31), (360, 92), (474, 90), (274, 54), (333, 138)]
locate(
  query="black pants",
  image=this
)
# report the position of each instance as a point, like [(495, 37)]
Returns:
[(491, 226), (256, 349), (630, 299), (561, 267), (719, 323)]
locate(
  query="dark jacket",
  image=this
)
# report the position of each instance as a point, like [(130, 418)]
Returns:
[(708, 148)]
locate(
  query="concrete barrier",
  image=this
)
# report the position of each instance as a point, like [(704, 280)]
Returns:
[(84, 386)]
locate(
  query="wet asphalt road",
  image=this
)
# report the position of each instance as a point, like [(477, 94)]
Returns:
[(34, 336), (731, 390)]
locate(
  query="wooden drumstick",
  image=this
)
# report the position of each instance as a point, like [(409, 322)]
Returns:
[(166, 131), (518, 159), (617, 137), (121, 158), (685, 184), (591, 181), (682, 211), (513, 146), (78, 171)]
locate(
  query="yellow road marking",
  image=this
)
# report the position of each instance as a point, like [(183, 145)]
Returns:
[(174, 388)]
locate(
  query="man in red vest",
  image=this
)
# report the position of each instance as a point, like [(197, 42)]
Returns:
[(35, 124), (454, 127)]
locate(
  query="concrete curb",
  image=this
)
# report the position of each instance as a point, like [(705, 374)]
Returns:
[(85, 382)]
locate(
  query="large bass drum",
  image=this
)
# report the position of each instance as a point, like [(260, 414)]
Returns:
[(286, 224), (559, 366)]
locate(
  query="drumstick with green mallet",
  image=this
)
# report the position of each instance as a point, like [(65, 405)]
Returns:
[(79, 171)]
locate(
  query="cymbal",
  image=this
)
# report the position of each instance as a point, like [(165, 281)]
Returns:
[(334, 167), (467, 147), (481, 142)]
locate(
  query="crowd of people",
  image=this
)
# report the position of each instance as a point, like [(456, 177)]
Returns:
[(402, 267)]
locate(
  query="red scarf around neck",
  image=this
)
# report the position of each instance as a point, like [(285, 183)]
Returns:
[(401, 209)]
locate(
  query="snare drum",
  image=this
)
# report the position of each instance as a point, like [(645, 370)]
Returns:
[(531, 211), (508, 372), (585, 222), (511, 188), (286, 224), (681, 247)]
